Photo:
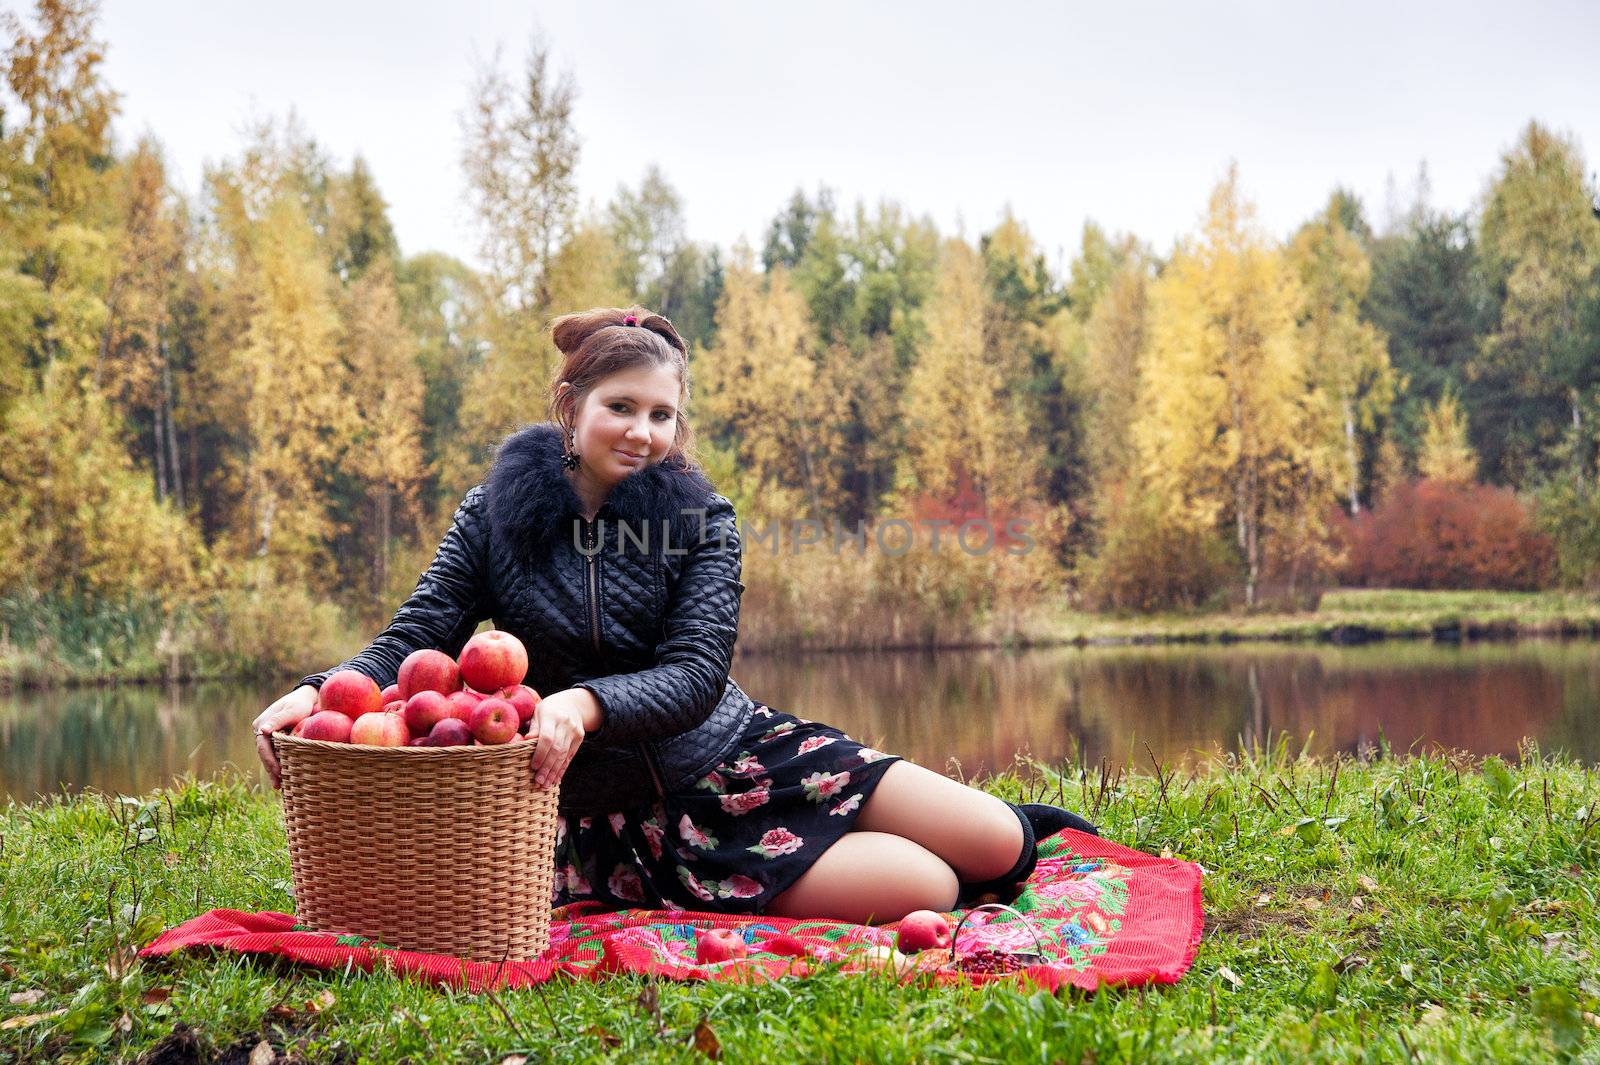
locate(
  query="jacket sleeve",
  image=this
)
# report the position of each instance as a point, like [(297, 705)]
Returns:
[(696, 650), (452, 596)]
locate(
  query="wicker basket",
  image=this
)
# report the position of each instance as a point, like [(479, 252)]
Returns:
[(441, 849)]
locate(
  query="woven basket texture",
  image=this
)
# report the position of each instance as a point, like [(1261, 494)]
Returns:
[(441, 849)]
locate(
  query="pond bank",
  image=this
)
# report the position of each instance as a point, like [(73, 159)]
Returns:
[(1394, 909), (1344, 616)]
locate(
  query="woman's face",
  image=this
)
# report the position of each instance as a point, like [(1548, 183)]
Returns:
[(627, 421)]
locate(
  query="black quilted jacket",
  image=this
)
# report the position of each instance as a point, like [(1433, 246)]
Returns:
[(640, 606)]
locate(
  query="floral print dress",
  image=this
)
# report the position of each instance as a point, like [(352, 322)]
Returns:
[(744, 834)]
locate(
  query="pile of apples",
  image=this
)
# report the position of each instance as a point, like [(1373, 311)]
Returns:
[(435, 702)]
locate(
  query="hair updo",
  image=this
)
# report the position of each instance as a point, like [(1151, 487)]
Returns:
[(598, 343)]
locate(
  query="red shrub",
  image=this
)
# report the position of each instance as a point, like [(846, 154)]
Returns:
[(1435, 534)]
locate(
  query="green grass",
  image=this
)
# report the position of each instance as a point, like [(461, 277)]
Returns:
[(1400, 909), (1375, 612)]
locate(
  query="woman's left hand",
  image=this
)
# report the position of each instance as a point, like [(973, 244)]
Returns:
[(559, 725)]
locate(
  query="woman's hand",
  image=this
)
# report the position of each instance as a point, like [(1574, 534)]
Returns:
[(559, 725), (285, 713)]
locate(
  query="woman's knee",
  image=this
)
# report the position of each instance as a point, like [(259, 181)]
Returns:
[(870, 876), (976, 833)]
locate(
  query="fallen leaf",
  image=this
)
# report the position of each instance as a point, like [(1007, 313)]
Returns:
[(1432, 1013), (155, 996), (1349, 963), (122, 961), (26, 998), (1263, 900), (1311, 904), (28, 1020), (1592, 1018), (705, 1040), (1406, 971), (1286, 830), (124, 1024), (1369, 885), (1166, 852), (607, 1039), (514, 1059), (1358, 902), (285, 1011), (263, 1054), (172, 858), (1229, 975)]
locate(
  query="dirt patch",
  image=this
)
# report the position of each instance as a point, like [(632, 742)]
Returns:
[(185, 1047), (1252, 921), (182, 1047)]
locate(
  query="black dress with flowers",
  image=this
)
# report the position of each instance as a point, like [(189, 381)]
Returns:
[(745, 833)]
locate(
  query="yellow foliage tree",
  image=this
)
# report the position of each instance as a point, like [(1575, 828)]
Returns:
[(959, 410), (298, 417), (386, 449), (75, 516), (760, 390), (1446, 454), (1225, 401), (134, 366), (1114, 341), (1348, 358)]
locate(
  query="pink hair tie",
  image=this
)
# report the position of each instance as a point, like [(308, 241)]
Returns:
[(631, 319)]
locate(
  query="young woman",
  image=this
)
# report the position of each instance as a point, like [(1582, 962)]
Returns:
[(598, 542)]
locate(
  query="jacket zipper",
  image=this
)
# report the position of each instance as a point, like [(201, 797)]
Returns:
[(591, 561)]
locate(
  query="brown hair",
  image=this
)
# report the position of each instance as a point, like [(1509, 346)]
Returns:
[(601, 342)]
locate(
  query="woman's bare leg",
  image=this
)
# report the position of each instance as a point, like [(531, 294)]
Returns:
[(975, 833), (869, 876)]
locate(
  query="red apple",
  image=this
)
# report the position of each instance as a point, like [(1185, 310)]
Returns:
[(494, 721), (351, 694), (449, 733), (712, 945), (391, 693), (428, 670), (524, 698), (424, 710), (921, 929), (326, 725), (493, 660), (461, 703), (380, 730)]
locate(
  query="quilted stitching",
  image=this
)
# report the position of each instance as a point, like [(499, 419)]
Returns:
[(668, 620)]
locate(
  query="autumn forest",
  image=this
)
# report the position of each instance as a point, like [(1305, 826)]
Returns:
[(235, 421)]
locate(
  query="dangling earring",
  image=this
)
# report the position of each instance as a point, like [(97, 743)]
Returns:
[(569, 457)]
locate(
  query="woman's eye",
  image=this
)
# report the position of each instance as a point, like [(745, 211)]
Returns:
[(620, 408), (662, 416)]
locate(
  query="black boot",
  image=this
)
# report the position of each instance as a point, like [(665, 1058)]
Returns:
[(1048, 820), (1003, 888)]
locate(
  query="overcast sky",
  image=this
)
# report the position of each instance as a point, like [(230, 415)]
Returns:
[(1126, 113)]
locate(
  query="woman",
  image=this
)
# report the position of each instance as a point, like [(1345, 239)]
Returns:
[(600, 545)]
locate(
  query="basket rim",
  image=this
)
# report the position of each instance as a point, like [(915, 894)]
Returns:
[(488, 750)]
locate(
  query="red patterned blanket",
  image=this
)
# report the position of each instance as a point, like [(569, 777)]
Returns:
[(1104, 915)]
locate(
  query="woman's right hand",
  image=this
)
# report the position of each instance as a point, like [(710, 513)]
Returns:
[(285, 713)]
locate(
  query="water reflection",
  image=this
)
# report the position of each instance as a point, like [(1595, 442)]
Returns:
[(980, 708)]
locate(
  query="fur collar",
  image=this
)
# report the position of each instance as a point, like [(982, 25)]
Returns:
[(531, 502)]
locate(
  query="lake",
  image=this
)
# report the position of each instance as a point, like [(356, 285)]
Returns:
[(962, 712)]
